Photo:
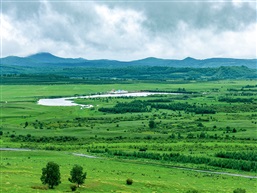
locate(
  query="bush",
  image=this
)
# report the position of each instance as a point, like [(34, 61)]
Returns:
[(192, 191), (151, 124), (129, 181), (239, 190), (73, 187)]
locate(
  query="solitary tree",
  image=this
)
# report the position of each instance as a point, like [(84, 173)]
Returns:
[(77, 175), (26, 124), (51, 175), (151, 124)]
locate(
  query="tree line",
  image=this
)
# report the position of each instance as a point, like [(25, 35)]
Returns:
[(177, 157), (146, 106), (236, 100), (126, 107), (251, 156), (42, 139)]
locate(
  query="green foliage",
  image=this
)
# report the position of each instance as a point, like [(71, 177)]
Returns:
[(63, 74), (129, 181), (239, 190), (77, 175), (236, 100), (133, 106), (192, 191), (73, 187), (43, 139), (26, 124), (184, 107), (51, 175), (151, 124), (250, 155), (180, 158), (202, 135)]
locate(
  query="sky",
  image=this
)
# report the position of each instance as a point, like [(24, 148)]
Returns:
[(130, 30)]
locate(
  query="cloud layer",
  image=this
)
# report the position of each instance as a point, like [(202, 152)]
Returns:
[(130, 30)]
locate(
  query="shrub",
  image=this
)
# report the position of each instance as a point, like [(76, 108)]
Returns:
[(73, 187), (129, 181), (151, 124), (192, 191), (239, 190)]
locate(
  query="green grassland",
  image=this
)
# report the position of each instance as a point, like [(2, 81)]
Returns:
[(20, 172), (206, 118)]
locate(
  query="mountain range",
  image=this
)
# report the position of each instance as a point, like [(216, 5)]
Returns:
[(45, 59)]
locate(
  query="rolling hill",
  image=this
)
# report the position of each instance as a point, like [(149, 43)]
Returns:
[(144, 69), (48, 60)]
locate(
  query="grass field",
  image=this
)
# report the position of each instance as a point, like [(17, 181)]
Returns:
[(128, 146), (20, 171)]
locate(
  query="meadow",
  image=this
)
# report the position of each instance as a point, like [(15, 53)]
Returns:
[(154, 140)]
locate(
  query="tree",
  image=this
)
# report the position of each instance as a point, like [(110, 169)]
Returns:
[(202, 135), (51, 175), (26, 124), (77, 175), (151, 124), (172, 136)]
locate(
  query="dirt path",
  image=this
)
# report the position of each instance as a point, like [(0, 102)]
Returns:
[(221, 173), (147, 163), (13, 149), (84, 155), (191, 169)]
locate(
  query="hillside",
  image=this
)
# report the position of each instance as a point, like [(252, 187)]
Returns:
[(145, 69), (49, 60)]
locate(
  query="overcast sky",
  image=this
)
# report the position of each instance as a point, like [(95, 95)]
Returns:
[(130, 30)]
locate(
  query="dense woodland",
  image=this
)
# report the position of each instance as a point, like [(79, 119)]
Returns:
[(146, 73)]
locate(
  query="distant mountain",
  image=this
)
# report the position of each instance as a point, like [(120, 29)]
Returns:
[(151, 61), (212, 62), (45, 57), (48, 60), (145, 69)]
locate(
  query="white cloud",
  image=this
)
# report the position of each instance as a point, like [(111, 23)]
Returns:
[(117, 28), (128, 31)]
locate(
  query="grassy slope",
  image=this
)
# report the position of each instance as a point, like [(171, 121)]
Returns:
[(21, 170)]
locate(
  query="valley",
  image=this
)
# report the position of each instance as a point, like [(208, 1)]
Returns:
[(205, 126)]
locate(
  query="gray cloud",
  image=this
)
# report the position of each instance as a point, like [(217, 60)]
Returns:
[(130, 30), (199, 14)]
